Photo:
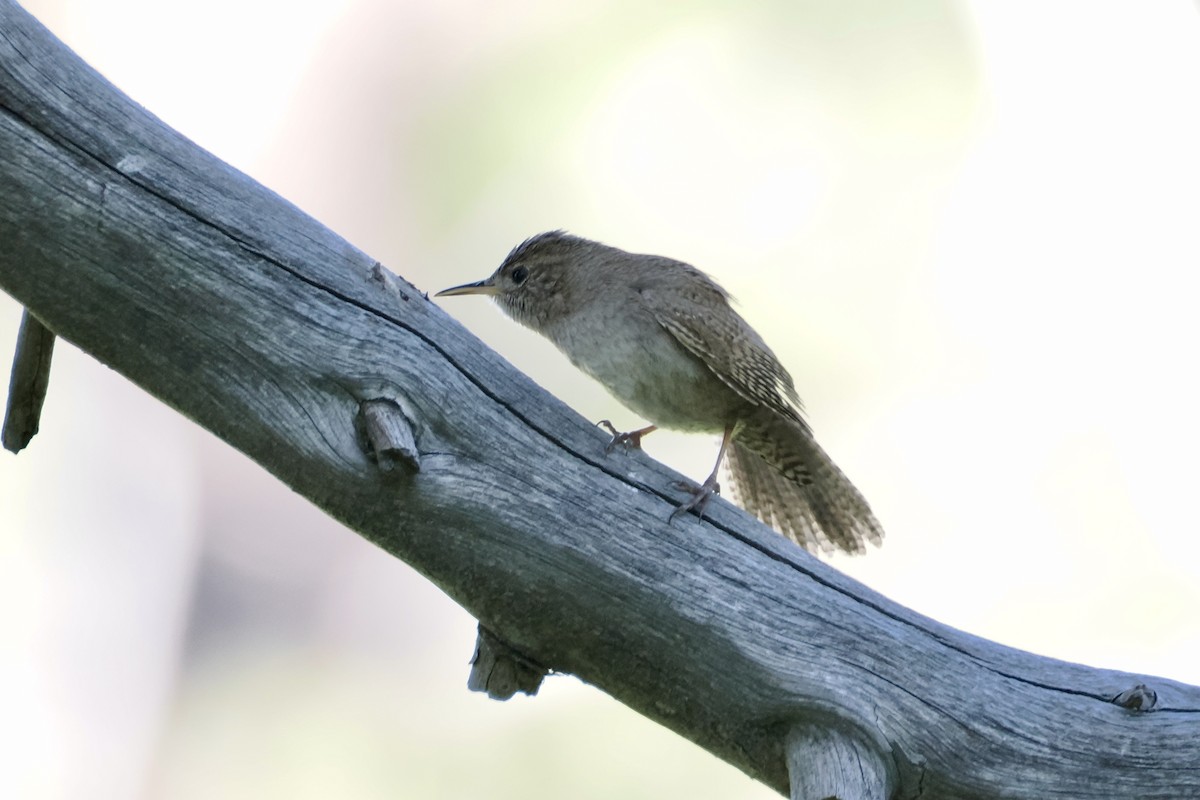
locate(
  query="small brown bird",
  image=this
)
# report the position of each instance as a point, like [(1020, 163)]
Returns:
[(663, 338)]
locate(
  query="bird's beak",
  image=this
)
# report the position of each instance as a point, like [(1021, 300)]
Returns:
[(485, 286)]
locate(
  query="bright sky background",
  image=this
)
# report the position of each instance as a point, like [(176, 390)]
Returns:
[(969, 230)]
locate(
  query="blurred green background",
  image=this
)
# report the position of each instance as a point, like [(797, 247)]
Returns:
[(968, 230)]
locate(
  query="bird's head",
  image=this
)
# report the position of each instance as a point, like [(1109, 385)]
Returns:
[(534, 283)]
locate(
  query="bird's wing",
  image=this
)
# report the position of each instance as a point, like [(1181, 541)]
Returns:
[(701, 319)]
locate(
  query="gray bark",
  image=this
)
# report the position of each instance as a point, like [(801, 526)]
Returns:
[(236, 309)]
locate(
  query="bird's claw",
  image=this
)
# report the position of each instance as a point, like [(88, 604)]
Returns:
[(631, 440), (700, 495)]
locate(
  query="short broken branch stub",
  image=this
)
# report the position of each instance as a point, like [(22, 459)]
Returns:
[(501, 671), (1137, 698), (27, 385), (389, 435), (828, 763)]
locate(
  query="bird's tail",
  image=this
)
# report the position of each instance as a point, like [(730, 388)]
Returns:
[(781, 475)]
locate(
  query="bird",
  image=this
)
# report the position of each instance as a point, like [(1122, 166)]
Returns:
[(665, 340)]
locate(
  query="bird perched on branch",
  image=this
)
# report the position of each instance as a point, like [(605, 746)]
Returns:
[(664, 339)]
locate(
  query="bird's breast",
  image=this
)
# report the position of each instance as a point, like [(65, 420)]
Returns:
[(645, 368)]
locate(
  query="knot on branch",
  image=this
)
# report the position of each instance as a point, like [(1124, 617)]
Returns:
[(1137, 698), (380, 274), (389, 435), (502, 671)]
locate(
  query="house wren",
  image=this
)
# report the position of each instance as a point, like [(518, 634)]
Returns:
[(663, 338)]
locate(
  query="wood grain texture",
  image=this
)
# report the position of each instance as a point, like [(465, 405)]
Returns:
[(235, 308)]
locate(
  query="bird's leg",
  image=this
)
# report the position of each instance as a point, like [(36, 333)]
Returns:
[(701, 493), (632, 439)]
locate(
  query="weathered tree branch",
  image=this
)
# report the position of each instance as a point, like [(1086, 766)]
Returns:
[(247, 316)]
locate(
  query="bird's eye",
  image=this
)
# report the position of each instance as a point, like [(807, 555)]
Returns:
[(519, 275)]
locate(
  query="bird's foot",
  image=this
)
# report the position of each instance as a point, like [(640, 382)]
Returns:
[(700, 495), (631, 440)]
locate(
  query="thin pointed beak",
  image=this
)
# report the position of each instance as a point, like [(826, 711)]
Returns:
[(485, 286)]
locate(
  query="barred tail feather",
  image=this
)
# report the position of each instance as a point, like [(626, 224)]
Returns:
[(782, 476)]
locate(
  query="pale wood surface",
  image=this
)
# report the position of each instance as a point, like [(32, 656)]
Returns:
[(236, 309)]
